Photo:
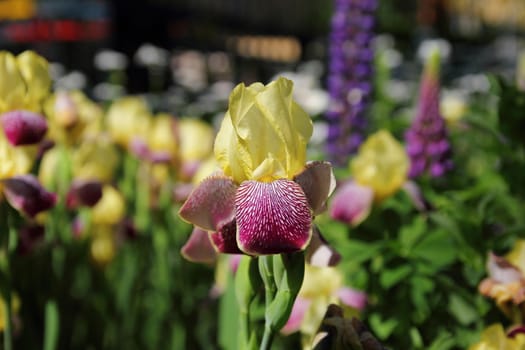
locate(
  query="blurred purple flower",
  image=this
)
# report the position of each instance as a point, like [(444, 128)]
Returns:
[(350, 70), (427, 139), (23, 127), (84, 192), (29, 237), (27, 195)]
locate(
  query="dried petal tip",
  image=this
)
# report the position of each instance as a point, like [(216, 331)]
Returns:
[(23, 127), (272, 218), (318, 182), (26, 194)]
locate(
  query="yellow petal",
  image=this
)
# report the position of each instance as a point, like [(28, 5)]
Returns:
[(161, 134), (35, 71), (127, 118), (12, 85), (196, 139), (110, 209), (381, 163), (264, 133), (517, 255)]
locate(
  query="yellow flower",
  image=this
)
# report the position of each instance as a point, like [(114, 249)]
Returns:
[(453, 108), (15, 306), (381, 164), (35, 71), (72, 116), (127, 118), (103, 246), (95, 159), (161, 136), (494, 338), (110, 209), (264, 133), (196, 139), (25, 81), (15, 160)]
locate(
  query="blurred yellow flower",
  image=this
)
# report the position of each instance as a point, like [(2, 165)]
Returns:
[(95, 159), (495, 338), (161, 136), (381, 163), (15, 307), (453, 108), (72, 116), (25, 81), (110, 209), (264, 133), (196, 139), (127, 118), (15, 160), (103, 245)]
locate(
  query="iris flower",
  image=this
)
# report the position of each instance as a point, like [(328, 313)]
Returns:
[(265, 198)]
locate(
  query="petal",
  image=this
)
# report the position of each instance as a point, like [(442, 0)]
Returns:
[(414, 192), (319, 253), (84, 192), (198, 248), (26, 194), (29, 238), (352, 203), (299, 309), (318, 183), (224, 240), (23, 127), (352, 297), (211, 204), (502, 271), (272, 217)]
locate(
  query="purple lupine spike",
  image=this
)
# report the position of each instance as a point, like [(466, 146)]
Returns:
[(350, 70), (427, 138)]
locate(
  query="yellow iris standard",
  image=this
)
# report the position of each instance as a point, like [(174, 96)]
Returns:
[(264, 134)]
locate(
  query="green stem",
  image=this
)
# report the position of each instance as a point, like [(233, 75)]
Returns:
[(267, 339), (9, 248)]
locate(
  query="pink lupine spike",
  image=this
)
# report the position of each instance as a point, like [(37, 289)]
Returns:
[(27, 195), (352, 203), (211, 204), (23, 127), (224, 240), (198, 248), (272, 217), (318, 182)]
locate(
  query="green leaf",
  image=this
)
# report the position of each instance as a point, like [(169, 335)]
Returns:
[(462, 310), (52, 325), (436, 248), (382, 328), (391, 277)]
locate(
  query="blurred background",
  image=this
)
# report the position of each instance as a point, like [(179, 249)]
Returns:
[(240, 40)]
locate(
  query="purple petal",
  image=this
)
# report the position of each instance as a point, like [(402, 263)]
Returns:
[(26, 194), (84, 192), (319, 253), (415, 194), (23, 127), (502, 271), (317, 182), (352, 203), (211, 204), (225, 239), (299, 309), (272, 218), (198, 248), (29, 237), (234, 261), (352, 297)]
